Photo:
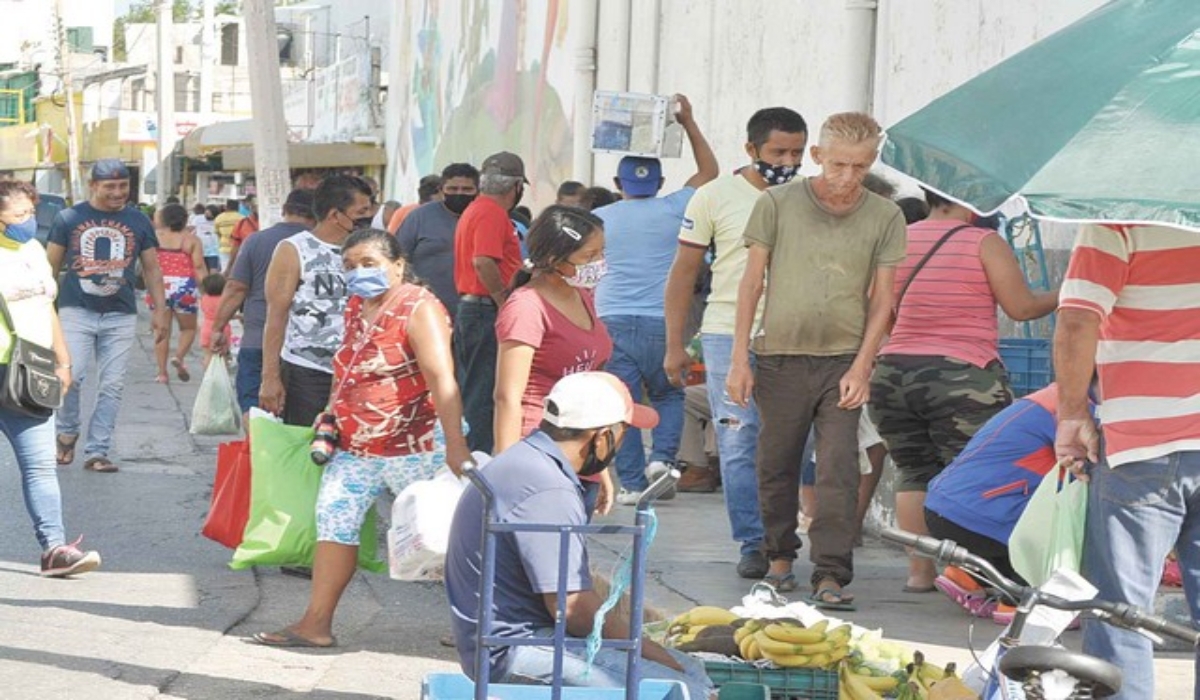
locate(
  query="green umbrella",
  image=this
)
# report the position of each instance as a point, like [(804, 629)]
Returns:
[(1098, 122)]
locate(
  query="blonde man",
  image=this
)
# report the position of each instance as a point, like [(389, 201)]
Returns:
[(826, 243)]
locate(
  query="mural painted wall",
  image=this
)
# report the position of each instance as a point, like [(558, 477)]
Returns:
[(476, 77)]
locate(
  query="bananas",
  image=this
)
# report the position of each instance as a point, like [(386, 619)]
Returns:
[(704, 615), (924, 676), (854, 686), (790, 645)]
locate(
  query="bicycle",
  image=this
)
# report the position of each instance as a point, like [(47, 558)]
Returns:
[(1036, 671)]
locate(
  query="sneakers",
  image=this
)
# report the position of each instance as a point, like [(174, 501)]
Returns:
[(626, 497), (753, 565), (655, 471), (68, 560), (697, 479)]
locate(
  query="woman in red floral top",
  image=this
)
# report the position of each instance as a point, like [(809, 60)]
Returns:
[(397, 410)]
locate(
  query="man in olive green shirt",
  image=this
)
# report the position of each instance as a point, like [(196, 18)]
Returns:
[(830, 249)]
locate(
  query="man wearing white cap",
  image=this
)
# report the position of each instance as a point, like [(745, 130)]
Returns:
[(537, 481)]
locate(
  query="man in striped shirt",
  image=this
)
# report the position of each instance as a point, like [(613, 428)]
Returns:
[(1130, 306)]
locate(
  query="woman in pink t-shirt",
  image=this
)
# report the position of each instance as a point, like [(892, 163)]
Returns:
[(548, 327)]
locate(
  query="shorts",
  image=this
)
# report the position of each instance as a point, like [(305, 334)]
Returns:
[(181, 295), (927, 408), (351, 484)]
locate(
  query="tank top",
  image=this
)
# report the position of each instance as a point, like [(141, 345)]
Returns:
[(949, 309), (383, 406), (315, 319), (175, 262)]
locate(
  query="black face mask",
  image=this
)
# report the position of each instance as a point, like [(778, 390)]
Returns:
[(363, 222), (592, 464), (457, 203)]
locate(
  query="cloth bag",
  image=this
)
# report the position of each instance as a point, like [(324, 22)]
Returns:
[(284, 483), (420, 531), (216, 410), (1049, 534), (230, 506)]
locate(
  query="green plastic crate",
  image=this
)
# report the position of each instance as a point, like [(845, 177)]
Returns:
[(799, 683), (744, 691)]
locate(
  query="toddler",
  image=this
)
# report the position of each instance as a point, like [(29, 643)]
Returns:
[(211, 288)]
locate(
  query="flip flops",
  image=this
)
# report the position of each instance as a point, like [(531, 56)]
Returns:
[(100, 464), (976, 602), (65, 452), (830, 598), (287, 639), (181, 370), (782, 583)]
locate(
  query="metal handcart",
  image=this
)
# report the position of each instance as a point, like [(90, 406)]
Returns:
[(456, 686)]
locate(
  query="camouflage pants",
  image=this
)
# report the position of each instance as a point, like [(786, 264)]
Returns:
[(927, 408)]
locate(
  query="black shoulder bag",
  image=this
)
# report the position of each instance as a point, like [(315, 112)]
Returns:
[(31, 387), (913, 275)]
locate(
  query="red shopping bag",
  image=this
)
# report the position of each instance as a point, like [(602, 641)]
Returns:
[(230, 508)]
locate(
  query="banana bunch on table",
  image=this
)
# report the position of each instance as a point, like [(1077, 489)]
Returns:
[(784, 641)]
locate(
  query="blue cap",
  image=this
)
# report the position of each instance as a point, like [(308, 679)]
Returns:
[(640, 177), (109, 169)]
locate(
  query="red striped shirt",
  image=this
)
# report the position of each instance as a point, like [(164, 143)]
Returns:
[(1144, 282), (948, 310)]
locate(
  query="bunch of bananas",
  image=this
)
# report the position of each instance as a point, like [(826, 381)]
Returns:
[(704, 628), (789, 644), (857, 683), (927, 681)]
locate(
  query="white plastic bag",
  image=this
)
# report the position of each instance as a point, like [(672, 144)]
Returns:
[(216, 410), (420, 531)]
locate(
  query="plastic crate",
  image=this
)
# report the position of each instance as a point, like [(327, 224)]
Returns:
[(456, 686), (1028, 363), (799, 683), (744, 691)]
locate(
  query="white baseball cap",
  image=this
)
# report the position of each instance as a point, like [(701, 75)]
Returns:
[(587, 400)]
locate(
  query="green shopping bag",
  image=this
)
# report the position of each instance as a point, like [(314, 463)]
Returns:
[(1049, 534), (284, 481)]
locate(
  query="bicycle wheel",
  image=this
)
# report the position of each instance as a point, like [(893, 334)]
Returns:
[(1093, 677)]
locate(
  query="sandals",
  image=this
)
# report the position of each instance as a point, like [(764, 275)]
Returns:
[(65, 452), (782, 583), (181, 370), (287, 639), (100, 464), (830, 596)]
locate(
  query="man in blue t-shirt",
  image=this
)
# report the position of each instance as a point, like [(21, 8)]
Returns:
[(101, 240), (427, 234), (640, 237), (536, 481)]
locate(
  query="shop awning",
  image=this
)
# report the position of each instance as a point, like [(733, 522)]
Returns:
[(311, 155), (203, 141)]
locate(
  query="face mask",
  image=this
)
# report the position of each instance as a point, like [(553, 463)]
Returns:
[(457, 203), (592, 464), (367, 282), (588, 275), (22, 232), (776, 174), (364, 222)]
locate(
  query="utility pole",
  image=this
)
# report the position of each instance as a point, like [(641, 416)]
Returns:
[(272, 176), (165, 80), (207, 42), (74, 190)]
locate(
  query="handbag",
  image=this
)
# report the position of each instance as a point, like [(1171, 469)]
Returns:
[(31, 386), (230, 506), (917, 268)]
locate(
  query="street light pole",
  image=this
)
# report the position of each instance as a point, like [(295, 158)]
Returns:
[(64, 70), (272, 176), (165, 80)]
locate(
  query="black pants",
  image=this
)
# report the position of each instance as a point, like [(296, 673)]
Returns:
[(994, 551), (307, 393)]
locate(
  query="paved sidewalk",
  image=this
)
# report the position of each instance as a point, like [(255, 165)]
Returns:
[(166, 618)]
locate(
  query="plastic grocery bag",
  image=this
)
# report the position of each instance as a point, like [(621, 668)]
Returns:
[(216, 410), (230, 507), (284, 481), (1049, 534), (420, 531)]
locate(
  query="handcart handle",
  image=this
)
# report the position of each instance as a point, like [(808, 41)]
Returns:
[(658, 488), (471, 471)]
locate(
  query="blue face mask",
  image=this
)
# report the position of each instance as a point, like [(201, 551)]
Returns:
[(22, 232), (367, 282)]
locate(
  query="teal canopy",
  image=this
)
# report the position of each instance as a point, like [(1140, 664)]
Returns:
[(1098, 122)]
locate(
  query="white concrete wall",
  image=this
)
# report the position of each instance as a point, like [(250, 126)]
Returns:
[(30, 35)]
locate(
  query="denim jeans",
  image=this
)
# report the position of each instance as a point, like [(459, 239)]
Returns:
[(475, 364), (639, 344), (737, 442), (1136, 514), (249, 377), (108, 338), (32, 441), (535, 666)]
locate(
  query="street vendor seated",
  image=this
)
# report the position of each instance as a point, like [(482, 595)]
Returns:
[(537, 481)]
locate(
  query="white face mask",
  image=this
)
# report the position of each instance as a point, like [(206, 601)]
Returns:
[(588, 275)]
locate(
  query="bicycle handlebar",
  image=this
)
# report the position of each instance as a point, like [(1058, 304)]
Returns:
[(1119, 614)]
